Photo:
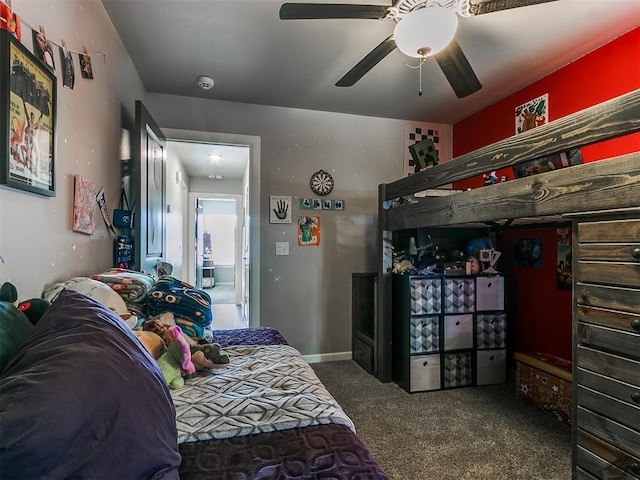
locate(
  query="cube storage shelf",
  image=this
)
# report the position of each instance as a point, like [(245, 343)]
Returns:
[(448, 331)]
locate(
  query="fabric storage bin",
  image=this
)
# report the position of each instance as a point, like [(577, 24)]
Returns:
[(491, 367), (425, 373), (459, 295), (489, 293), (426, 295), (424, 334), (458, 331), (491, 330), (457, 369)]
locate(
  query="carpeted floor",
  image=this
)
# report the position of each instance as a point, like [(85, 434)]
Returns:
[(222, 294), (476, 433)]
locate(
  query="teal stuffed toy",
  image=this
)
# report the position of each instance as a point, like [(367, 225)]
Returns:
[(33, 308), (175, 363)]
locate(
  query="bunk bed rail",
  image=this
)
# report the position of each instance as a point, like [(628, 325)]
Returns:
[(614, 118)]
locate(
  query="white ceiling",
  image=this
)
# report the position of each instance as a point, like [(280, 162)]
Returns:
[(254, 57), (197, 161)]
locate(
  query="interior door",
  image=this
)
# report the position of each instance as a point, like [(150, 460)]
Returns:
[(246, 265), (149, 173), (198, 248)]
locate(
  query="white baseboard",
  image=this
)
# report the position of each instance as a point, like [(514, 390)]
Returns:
[(327, 357)]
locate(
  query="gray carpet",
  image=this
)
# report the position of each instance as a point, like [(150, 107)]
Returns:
[(479, 433), (222, 294)]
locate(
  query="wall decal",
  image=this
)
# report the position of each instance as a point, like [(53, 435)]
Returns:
[(309, 231), (533, 113), (279, 209)]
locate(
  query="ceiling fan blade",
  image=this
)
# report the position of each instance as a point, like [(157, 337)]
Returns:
[(498, 5), (456, 68), (367, 63), (311, 11)]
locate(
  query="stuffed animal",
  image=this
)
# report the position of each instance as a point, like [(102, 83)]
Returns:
[(33, 308), (208, 356), (9, 293), (151, 342), (176, 361), (161, 323)]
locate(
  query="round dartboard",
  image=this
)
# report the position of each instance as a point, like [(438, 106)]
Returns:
[(321, 183)]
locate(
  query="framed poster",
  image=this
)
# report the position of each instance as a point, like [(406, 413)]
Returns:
[(27, 145)]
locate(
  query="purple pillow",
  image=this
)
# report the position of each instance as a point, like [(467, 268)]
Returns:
[(82, 398)]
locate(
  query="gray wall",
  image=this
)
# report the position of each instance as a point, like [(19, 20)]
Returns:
[(307, 295), (37, 245)]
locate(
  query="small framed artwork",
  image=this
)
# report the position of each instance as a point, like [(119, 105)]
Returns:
[(326, 204), (27, 143), (280, 209), (532, 114), (316, 203), (338, 204), (308, 231), (84, 200), (527, 252)]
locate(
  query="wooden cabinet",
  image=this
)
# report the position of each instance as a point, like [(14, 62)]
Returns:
[(607, 348), (440, 338)]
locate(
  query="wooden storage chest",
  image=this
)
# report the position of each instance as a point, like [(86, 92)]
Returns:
[(545, 381)]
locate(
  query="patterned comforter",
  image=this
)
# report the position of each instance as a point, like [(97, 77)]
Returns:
[(323, 451), (264, 388)]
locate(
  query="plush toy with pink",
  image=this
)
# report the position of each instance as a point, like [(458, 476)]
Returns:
[(176, 362)]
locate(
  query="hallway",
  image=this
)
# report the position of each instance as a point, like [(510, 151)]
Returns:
[(226, 314)]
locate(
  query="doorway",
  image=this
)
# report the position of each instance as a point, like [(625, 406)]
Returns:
[(218, 236), (251, 209)]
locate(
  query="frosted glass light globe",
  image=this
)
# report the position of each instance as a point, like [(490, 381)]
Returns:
[(426, 31)]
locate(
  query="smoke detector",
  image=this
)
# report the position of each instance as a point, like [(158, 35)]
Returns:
[(205, 83)]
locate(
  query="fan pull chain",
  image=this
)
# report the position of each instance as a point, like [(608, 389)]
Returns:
[(420, 87)]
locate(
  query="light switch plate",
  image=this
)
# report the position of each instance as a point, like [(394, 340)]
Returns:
[(282, 248)]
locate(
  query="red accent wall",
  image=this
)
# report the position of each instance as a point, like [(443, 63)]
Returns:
[(540, 315), (601, 75)]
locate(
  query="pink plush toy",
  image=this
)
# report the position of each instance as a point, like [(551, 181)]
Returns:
[(176, 361)]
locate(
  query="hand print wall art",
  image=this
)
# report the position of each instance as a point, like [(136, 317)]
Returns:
[(279, 209)]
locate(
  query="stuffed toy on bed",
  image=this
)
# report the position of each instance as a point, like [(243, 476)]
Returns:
[(208, 356), (190, 306), (176, 361), (33, 308)]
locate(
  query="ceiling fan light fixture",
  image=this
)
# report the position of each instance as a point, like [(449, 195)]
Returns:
[(426, 31)]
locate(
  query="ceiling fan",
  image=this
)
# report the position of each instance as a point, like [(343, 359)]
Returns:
[(424, 28)]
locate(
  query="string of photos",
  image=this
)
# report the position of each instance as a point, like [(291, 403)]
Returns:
[(43, 47)]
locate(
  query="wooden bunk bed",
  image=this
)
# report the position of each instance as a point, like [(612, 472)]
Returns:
[(601, 200)]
